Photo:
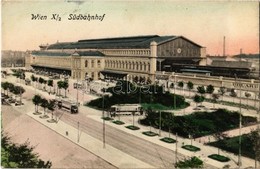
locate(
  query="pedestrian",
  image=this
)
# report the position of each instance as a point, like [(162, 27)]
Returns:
[(67, 133)]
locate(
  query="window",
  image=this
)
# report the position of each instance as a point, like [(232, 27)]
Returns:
[(92, 63), (86, 63), (99, 63)]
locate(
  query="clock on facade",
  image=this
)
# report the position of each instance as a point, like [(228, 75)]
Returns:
[(179, 50)]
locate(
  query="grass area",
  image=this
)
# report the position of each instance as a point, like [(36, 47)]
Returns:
[(191, 148), (149, 133), (118, 122), (131, 127), (107, 118), (232, 144), (168, 140), (227, 103), (158, 106), (219, 158), (198, 123), (152, 94)]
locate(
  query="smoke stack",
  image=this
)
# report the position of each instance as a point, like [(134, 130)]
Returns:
[(224, 46)]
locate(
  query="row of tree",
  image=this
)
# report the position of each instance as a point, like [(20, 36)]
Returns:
[(60, 84), (44, 103), (10, 87)]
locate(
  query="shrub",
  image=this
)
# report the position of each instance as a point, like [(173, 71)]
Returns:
[(193, 162), (131, 127), (150, 133), (219, 158), (168, 140), (191, 148), (118, 122)]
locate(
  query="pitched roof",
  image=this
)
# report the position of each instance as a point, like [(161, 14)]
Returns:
[(48, 53), (133, 42), (90, 53)]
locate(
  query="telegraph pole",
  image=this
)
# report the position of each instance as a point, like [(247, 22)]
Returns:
[(174, 92), (160, 123), (77, 92), (176, 149), (78, 131), (103, 116)]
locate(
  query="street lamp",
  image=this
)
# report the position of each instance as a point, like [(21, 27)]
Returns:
[(174, 91), (103, 116), (240, 124), (160, 123)]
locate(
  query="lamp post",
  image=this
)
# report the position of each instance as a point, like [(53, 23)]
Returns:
[(240, 125), (77, 92), (103, 116), (174, 91), (160, 127), (176, 149)]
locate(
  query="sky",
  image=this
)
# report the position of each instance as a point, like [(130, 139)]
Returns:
[(204, 22)]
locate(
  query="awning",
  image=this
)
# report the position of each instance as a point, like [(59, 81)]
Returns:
[(51, 67), (114, 73)]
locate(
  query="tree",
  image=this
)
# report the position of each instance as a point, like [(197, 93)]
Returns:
[(172, 85), (210, 89), (50, 84), (18, 90), (181, 85), (65, 86), (150, 115), (51, 106), (60, 85), (222, 91), (233, 94), (36, 101), (247, 94), (10, 87), (254, 137), (41, 80), (44, 104), (44, 82), (193, 162), (5, 86), (215, 97), (169, 122), (219, 135), (198, 99), (135, 79), (190, 86), (148, 81), (201, 90), (20, 156)]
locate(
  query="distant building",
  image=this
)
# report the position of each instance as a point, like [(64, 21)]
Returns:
[(132, 58), (11, 58)]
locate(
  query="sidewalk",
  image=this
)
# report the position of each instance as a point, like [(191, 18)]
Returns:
[(109, 153), (202, 154)]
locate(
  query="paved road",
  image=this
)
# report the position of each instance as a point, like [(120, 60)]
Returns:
[(50, 145), (148, 152)]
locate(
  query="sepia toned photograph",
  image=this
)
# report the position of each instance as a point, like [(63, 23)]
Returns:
[(130, 84)]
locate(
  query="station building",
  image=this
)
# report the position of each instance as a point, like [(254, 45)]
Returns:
[(129, 58)]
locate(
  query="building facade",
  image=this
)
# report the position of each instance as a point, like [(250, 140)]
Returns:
[(132, 58)]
